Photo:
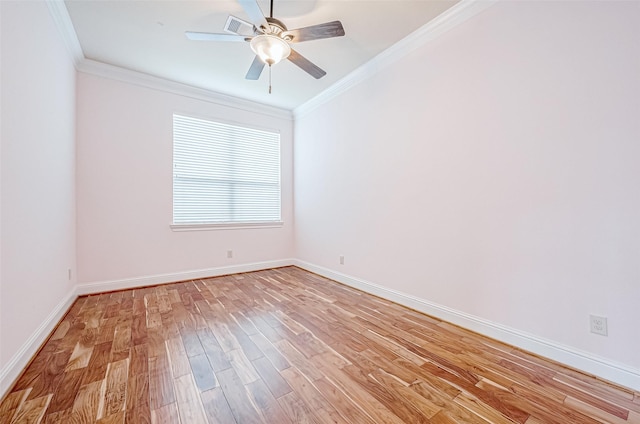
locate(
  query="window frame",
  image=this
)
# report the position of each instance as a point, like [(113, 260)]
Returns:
[(200, 226)]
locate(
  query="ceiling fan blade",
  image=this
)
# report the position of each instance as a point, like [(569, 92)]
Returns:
[(255, 69), (208, 36), (306, 65), (256, 16), (316, 32)]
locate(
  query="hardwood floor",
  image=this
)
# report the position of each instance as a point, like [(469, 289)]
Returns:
[(286, 346)]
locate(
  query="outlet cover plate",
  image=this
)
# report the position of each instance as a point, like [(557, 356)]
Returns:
[(598, 325)]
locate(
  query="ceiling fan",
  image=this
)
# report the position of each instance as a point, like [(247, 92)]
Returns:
[(270, 39)]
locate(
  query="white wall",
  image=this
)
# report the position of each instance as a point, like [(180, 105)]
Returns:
[(37, 174), (125, 150), (493, 171)]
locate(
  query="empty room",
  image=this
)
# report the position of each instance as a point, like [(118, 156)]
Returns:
[(320, 211)]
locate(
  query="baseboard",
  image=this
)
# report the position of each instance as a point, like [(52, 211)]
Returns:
[(603, 368), (12, 370), (129, 283)]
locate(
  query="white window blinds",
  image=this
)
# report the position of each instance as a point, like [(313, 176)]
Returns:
[(224, 173)]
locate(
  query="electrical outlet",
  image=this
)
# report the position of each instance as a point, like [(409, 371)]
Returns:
[(341, 260), (69, 273), (229, 254), (598, 325)]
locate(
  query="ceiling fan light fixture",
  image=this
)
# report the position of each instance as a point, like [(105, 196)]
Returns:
[(270, 48)]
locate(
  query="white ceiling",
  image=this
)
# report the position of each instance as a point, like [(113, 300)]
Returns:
[(148, 36)]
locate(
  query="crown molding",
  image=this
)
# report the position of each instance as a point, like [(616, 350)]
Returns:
[(140, 79), (449, 19), (62, 20)]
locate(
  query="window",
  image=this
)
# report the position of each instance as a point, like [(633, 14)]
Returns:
[(224, 174)]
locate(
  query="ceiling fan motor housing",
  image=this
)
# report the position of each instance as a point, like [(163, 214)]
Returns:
[(277, 27)]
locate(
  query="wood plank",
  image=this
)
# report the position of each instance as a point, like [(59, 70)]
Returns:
[(191, 342), (61, 330), (270, 352), (32, 411), (212, 349), (249, 348), (297, 411), (413, 399), (139, 330), (115, 418), (139, 363), (590, 410), (138, 407), (241, 407), (353, 390), (481, 409), (79, 357), (66, 391), (223, 335), (265, 402), (116, 388), (177, 357), (11, 403), (387, 396), (188, 401), (47, 376), (203, 373), (122, 338), (167, 414), (271, 377), (294, 356), (160, 382), (87, 403), (58, 417), (97, 366), (243, 367), (342, 402), (318, 404), (216, 407)]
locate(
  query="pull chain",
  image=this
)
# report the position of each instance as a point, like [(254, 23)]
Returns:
[(271, 16)]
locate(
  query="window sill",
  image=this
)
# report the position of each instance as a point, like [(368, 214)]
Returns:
[(226, 226)]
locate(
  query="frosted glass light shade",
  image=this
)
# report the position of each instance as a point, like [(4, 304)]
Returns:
[(270, 48)]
